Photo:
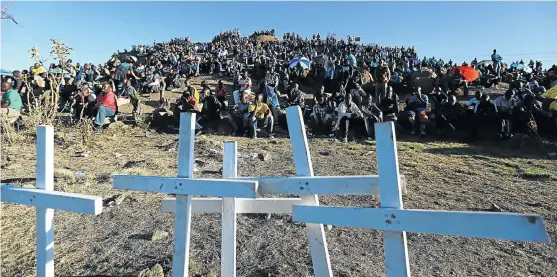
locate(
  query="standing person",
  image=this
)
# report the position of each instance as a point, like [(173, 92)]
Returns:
[(496, 59), (382, 77), (132, 93), (11, 103), (504, 106)]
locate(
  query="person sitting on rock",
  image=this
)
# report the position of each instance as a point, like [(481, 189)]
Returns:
[(245, 82), (459, 82), (371, 115), (347, 111), (84, 103), (238, 117), (106, 105), (296, 96), (322, 115), (221, 94), (11, 103), (389, 106), (416, 106), (187, 104), (260, 114), (211, 109)]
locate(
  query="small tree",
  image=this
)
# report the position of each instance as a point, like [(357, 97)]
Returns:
[(48, 111)]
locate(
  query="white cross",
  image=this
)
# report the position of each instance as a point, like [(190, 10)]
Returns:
[(395, 221), (306, 185), (46, 200), (184, 186)]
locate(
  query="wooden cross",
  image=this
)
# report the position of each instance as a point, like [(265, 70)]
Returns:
[(46, 200), (395, 221), (184, 186), (305, 184)]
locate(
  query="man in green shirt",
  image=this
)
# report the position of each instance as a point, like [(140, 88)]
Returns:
[(11, 103)]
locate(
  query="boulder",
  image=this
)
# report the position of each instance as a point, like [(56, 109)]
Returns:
[(158, 235), (155, 271)]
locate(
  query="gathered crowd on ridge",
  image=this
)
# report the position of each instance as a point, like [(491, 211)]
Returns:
[(340, 85)]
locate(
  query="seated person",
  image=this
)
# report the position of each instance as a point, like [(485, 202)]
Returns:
[(187, 104), (389, 106), (296, 96), (221, 94), (323, 114), (260, 114), (211, 109), (272, 95), (416, 106), (11, 103), (106, 105), (459, 82), (347, 111), (372, 114), (238, 117), (85, 102)]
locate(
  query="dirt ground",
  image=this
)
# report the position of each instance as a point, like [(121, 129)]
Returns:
[(440, 176)]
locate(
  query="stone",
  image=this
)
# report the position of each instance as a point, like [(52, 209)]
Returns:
[(155, 271), (117, 155), (495, 208), (199, 162), (12, 166), (263, 156), (116, 125), (158, 235), (82, 154)]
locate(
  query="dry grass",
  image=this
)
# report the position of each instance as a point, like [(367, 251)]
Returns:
[(440, 176)]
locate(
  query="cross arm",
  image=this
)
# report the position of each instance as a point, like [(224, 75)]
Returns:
[(508, 226), (70, 202), (320, 185), (187, 186), (243, 206)]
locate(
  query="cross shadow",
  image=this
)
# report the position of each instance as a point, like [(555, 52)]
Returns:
[(140, 236), (98, 276), (17, 180)]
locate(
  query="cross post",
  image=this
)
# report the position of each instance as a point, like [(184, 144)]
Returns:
[(395, 221), (184, 186), (46, 200)]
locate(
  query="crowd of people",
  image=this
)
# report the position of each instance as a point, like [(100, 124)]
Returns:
[(348, 86)]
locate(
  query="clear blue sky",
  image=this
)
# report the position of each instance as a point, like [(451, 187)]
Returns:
[(456, 30)]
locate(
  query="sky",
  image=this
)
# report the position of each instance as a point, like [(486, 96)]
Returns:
[(460, 31)]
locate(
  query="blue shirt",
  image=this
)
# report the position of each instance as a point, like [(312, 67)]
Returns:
[(496, 59)]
